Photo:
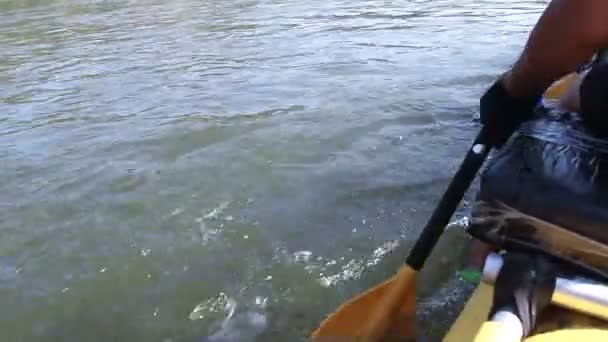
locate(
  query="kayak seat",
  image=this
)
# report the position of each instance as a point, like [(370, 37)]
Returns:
[(547, 190)]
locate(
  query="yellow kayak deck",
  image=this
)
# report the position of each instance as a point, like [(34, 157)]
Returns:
[(556, 324)]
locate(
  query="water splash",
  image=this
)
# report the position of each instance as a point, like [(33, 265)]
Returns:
[(221, 304), (241, 327), (355, 268), (215, 212), (261, 302), (244, 327), (381, 251), (352, 270), (207, 233), (302, 256)]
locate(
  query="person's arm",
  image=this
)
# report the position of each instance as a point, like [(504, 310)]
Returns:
[(568, 34)]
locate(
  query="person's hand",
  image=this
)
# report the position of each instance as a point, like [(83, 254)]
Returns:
[(501, 114), (524, 287)]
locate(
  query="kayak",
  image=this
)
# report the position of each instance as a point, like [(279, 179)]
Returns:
[(556, 324), (583, 316)]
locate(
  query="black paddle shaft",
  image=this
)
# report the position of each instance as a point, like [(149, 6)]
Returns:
[(449, 202)]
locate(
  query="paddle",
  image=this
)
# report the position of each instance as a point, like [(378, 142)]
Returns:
[(387, 312)]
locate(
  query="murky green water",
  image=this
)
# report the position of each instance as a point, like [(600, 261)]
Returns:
[(228, 170)]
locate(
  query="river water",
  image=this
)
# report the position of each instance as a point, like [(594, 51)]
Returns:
[(229, 170)]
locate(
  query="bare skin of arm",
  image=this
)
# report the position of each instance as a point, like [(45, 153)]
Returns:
[(567, 35)]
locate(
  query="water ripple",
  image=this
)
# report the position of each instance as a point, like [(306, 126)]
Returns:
[(124, 124)]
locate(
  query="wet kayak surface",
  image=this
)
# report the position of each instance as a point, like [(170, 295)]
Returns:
[(228, 170)]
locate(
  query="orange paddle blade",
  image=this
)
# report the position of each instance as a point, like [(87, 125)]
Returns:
[(386, 312)]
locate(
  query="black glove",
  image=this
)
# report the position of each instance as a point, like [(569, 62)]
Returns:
[(501, 114), (524, 287)]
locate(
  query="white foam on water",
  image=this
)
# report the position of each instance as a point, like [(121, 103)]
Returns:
[(302, 256), (243, 327), (355, 268), (235, 327), (352, 270), (177, 211), (329, 272), (208, 233), (215, 212), (220, 304), (261, 302)]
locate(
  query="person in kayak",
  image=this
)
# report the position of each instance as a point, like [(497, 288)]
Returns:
[(560, 42), (567, 35)]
